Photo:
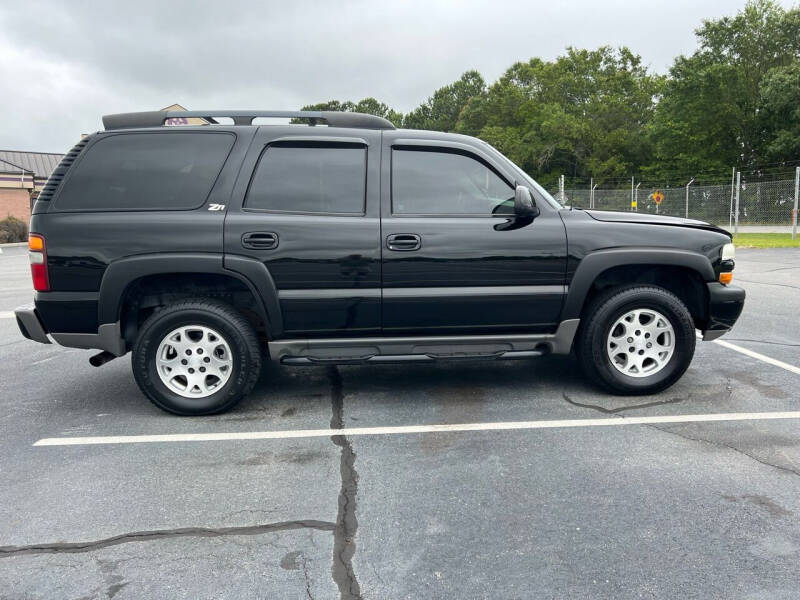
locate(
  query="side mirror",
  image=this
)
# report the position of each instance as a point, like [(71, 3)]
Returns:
[(524, 205)]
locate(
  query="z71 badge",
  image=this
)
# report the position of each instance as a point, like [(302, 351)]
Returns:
[(216, 207)]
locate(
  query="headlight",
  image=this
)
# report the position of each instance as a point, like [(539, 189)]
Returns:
[(728, 252)]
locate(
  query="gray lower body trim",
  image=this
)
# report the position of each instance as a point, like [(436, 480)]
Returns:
[(107, 338), (330, 293), (422, 292), (709, 335), (385, 349), (29, 324), (488, 290)]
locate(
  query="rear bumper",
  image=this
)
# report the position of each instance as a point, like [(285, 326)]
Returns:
[(107, 338), (30, 325), (725, 303)]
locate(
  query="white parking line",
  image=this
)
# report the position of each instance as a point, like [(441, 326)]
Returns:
[(406, 429), (759, 356), (6, 315)]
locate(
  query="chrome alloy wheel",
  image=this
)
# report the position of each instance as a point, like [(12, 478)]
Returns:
[(194, 361), (641, 343)]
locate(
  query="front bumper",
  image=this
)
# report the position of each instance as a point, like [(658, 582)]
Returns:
[(725, 303), (30, 325)]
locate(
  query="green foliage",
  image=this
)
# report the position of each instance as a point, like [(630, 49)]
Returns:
[(599, 113), (440, 112), (13, 229), (368, 106)]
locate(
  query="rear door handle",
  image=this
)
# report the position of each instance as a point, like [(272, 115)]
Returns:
[(403, 242), (260, 240)]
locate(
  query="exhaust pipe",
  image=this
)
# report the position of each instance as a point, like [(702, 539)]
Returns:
[(98, 360)]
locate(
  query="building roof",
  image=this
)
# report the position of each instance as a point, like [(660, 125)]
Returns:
[(40, 163)]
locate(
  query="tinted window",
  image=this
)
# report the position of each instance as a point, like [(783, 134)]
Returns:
[(146, 171), (310, 179), (446, 183)]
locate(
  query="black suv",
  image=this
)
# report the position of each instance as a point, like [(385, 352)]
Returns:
[(204, 249)]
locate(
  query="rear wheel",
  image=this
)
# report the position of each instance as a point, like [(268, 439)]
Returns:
[(636, 340), (196, 357)]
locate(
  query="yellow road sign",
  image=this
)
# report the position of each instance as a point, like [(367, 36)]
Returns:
[(657, 197)]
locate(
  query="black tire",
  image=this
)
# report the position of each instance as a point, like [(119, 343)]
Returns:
[(221, 318), (596, 325)]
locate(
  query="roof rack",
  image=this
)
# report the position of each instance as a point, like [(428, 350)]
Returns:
[(156, 118)]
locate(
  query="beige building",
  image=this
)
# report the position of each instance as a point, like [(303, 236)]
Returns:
[(22, 175)]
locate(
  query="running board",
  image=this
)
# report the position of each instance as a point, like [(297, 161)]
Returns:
[(422, 349)]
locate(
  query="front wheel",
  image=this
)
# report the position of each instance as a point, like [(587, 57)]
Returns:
[(636, 340), (197, 357)]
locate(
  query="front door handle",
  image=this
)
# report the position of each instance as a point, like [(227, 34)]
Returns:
[(260, 240), (403, 242)]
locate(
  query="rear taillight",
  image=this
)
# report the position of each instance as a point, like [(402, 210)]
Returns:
[(38, 256)]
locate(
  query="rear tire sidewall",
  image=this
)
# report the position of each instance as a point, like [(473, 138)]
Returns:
[(616, 307), (146, 374)]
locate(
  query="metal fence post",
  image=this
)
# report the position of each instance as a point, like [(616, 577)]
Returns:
[(636, 199), (593, 189), (631, 206), (591, 192), (796, 193), (736, 211), (687, 196), (730, 212)]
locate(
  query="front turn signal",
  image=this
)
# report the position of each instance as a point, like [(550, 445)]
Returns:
[(725, 278)]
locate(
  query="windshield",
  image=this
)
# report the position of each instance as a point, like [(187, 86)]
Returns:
[(538, 191)]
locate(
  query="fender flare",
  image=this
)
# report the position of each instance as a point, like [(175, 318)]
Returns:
[(595, 263), (120, 274)]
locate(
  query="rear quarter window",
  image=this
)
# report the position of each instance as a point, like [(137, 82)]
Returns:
[(146, 171)]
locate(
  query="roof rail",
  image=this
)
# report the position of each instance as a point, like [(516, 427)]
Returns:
[(156, 118)]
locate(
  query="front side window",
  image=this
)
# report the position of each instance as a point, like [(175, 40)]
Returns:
[(445, 182), (146, 171), (310, 178)]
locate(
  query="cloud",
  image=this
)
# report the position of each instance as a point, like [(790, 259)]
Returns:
[(63, 65)]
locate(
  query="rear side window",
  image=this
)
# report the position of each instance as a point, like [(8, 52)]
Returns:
[(310, 178), (146, 171)]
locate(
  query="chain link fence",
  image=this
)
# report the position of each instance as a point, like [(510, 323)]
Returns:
[(760, 203)]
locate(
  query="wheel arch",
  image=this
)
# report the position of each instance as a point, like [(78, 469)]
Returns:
[(123, 276), (682, 272)]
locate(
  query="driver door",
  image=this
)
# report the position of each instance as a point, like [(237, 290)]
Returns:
[(455, 258)]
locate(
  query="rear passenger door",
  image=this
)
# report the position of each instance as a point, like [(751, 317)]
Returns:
[(307, 208)]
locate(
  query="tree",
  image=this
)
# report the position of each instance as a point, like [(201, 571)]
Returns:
[(582, 114), (440, 112), (709, 115), (780, 103), (368, 106)]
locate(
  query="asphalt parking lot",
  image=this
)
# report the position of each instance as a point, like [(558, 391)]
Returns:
[(673, 506)]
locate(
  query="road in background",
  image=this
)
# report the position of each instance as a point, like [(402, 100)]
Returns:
[(678, 510)]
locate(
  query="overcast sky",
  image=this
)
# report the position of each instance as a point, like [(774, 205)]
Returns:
[(65, 64)]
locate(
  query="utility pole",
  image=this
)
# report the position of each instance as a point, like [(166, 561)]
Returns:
[(687, 196), (636, 199), (796, 193), (736, 210), (730, 212)]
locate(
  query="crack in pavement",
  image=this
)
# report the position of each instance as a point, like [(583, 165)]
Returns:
[(160, 534), (728, 446), (768, 283), (344, 544), (614, 411)]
